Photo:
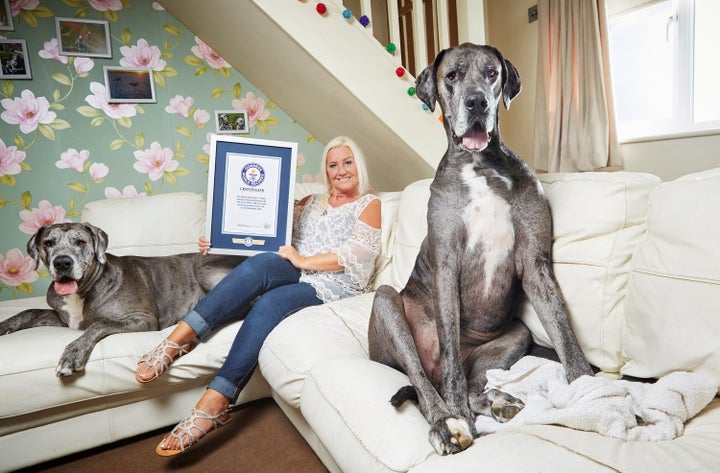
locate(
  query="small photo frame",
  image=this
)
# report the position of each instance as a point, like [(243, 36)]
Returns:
[(90, 38), (14, 59), (250, 197), (6, 19), (129, 84), (231, 121)]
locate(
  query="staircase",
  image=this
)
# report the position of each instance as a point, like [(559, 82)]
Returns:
[(329, 74)]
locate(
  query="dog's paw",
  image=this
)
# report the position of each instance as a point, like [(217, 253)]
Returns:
[(503, 406), (451, 435), (71, 361)]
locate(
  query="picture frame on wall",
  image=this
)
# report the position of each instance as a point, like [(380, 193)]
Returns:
[(89, 38), (129, 84), (14, 61), (231, 121), (250, 197), (6, 19)]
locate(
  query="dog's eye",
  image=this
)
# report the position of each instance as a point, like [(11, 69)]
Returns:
[(48, 243), (492, 74), (451, 76), (80, 243)]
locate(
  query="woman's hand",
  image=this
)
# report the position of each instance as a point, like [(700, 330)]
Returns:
[(203, 245), (292, 255)]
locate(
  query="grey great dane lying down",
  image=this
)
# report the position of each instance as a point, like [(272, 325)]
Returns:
[(104, 294), (488, 242)]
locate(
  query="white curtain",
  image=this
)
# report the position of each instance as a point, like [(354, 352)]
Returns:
[(574, 116)]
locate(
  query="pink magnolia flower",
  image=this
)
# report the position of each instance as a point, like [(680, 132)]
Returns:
[(44, 214), (180, 105), (16, 268), (17, 5), (206, 146), (155, 161), (83, 64), (128, 191), (255, 108), (27, 111), (204, 52), (51, 51), (142, 55), (112, 110), (10, 159), (201, 117), (72, 159), (98, 171), (104, 5)]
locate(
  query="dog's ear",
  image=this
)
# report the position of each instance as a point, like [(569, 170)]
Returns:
[(511, 85), (100, 242), (426, 83), (32, 245)]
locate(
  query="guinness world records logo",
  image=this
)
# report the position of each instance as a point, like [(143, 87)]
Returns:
[(253, 174)]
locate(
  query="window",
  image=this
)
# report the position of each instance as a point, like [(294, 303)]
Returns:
[(665, 68)]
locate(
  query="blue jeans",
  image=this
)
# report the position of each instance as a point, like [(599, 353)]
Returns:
[(274, 281)]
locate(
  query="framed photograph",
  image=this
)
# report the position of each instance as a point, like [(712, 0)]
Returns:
[(129, 85), (231, 121), (14, 59), (250, 197), (89, 38), (6, 19)]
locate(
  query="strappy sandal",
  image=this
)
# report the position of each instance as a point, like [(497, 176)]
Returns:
[(160, 360), (185, 430)]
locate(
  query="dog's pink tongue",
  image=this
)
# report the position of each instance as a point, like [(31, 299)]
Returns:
[(475, 140), (66, 288)]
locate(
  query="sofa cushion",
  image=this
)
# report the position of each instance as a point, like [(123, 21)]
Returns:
[(162, 224), (673, 314), (335, 329)]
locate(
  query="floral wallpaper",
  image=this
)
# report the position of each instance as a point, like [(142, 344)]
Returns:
[(62, 144)]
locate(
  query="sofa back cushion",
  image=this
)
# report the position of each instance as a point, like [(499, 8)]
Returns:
[(157, 225), (673, 316), (598, 220)]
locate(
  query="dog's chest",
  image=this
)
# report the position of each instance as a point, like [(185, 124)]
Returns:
[(488, 219), (72, 311)]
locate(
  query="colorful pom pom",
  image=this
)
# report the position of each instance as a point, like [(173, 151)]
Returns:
[(425, 107), (400, 71), (411, 91), (391, 48), (347, 13), (321, 8), (364, 20)]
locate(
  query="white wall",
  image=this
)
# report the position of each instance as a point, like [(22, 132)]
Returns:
[(508, 29)]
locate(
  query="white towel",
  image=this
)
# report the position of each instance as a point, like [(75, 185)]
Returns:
[(615, 408)]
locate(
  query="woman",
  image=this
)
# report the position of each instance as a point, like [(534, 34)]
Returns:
[(336, 237)]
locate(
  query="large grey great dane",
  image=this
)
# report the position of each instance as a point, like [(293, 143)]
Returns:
[(104, 294), (488, 241)]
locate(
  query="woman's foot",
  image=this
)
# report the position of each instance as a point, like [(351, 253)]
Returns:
[(156, 362), (210, 413)]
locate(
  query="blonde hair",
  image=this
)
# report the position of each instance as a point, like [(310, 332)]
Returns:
[(360, 164)]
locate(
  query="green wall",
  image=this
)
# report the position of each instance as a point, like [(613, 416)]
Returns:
[(62, 146)]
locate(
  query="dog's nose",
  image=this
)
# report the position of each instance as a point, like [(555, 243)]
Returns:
[(476, 103), (63, 263)]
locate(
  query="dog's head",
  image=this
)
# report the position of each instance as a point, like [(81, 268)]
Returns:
[(69, 251), (468, 81)]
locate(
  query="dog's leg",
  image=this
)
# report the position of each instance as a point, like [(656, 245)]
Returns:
[(543, 292), (77, 352), (391, 343), (31, 318), (500, 353)]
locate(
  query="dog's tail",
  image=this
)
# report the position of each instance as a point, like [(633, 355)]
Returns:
[(406, 393)]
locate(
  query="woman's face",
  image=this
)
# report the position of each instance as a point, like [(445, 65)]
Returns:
[(341, 170)]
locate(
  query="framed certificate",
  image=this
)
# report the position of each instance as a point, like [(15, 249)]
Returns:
[(251, 184)]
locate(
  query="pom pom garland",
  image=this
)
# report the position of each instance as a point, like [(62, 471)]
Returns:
[(364, 20), (391, 48), (347, 13), (321, 8)]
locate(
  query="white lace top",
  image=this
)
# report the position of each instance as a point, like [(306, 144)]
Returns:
[(338, 230)]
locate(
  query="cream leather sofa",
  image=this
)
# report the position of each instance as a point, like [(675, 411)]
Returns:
[(637, 260)]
